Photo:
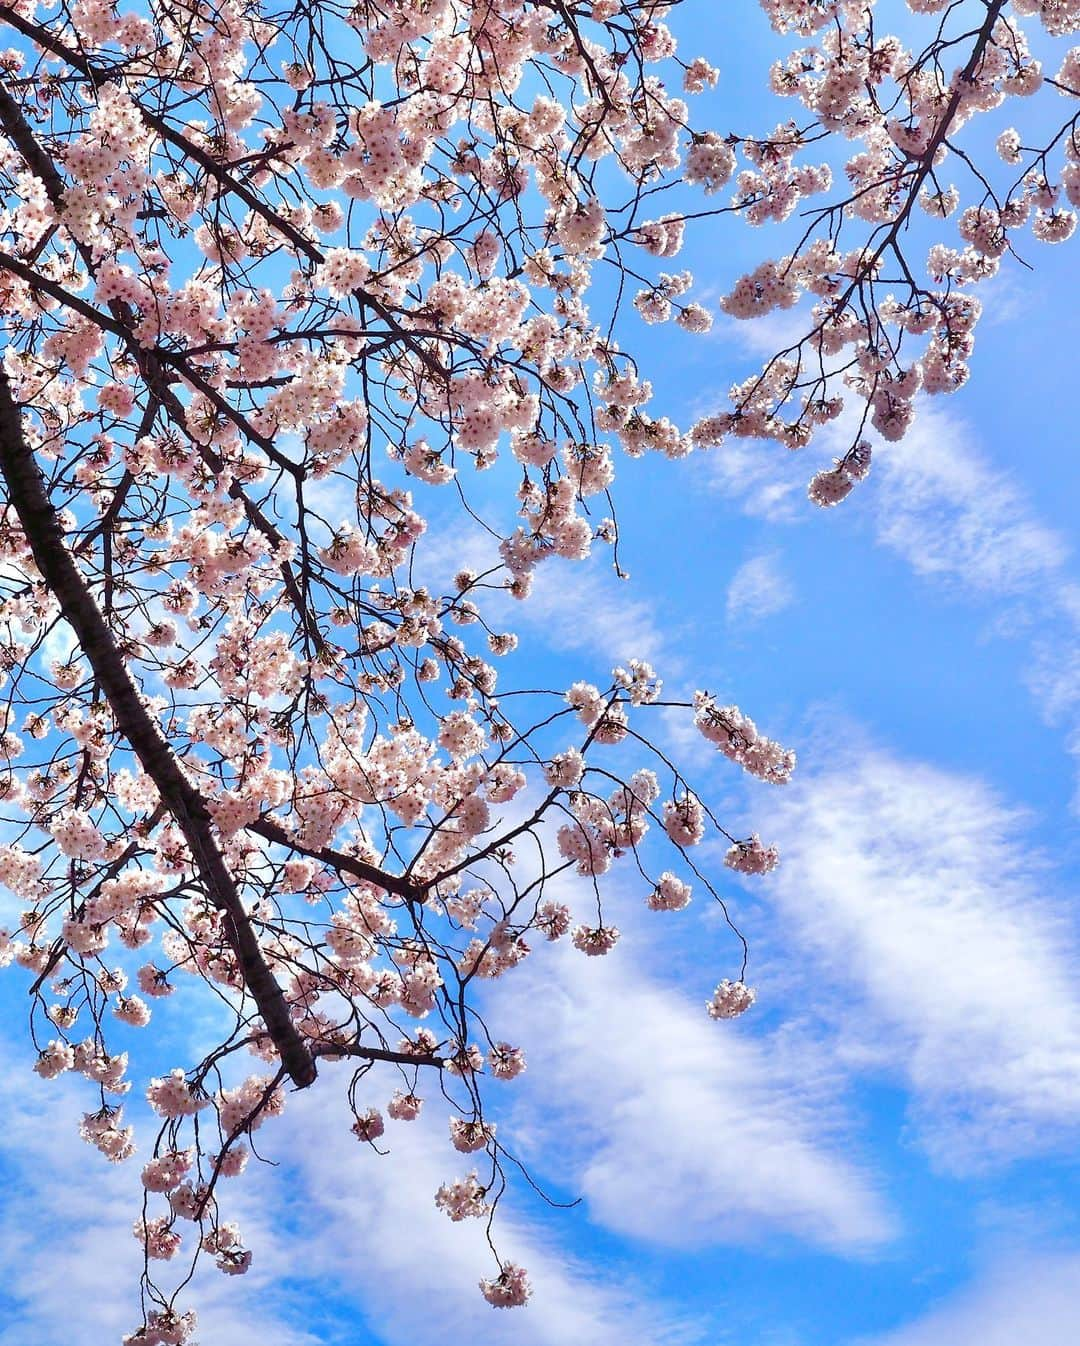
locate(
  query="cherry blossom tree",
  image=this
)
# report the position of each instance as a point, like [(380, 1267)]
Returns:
[(277, 280)]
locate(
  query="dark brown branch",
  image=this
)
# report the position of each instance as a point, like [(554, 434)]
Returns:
[(30, 500), (941, 133), (410, 890), (332, 1049), (121, 323)]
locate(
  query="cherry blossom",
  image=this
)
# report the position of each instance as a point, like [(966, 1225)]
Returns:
[(730, 999), (264, 745)]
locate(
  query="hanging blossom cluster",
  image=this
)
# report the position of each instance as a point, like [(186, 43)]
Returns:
[(730, 999), (269, 281)]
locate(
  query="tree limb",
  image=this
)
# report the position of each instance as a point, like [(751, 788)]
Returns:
[(30, 500)]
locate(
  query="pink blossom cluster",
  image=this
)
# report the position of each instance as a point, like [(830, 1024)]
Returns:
[(670, 894), (505, 1061), (249, 1105), (463, 1198), (509, 1288), (828, 488), (230, 1256), (167, 1170), (595, 940), (171, 1096), (730, 999), (751, 857), (164, 1327), (404, 1107), (737, 737), (469, 1136), (104, 1131), (160, 1240)]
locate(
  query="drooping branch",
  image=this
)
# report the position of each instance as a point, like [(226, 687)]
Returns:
[(29, 498)]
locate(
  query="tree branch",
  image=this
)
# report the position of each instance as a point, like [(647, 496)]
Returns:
[(400, 886), (29, 498)]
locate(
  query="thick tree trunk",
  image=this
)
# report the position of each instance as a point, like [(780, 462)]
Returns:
[(29, 498)]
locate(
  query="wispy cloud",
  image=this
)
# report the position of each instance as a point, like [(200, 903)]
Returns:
[(575, 607), (682, 1131), (762, 336), (587, 608), (937, 944), (336, 1230), (950, 514), (758, 589), (765, 484), (66, 1238), (1026, 1298), (1053, 676), (956, 519), (370, 1227), (936, 499)]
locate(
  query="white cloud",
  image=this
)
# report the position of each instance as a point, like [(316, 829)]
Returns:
[(586, 608), (1053, 676), (950, 514), (370, 1226), (575, 607), (938, 947), (758, 589), (336, 1229), (1025, 1298), (760, 477), (66, 1228), (937, 501), (954, 517), (679, 1130), (762, 336)]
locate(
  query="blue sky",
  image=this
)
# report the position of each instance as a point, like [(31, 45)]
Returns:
[(882, 1152)]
